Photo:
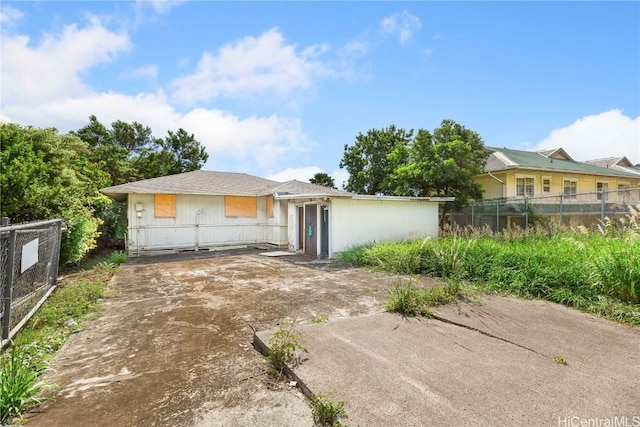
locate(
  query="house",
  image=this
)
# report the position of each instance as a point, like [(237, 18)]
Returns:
[(518, 174), (204, 209), (618, 163)]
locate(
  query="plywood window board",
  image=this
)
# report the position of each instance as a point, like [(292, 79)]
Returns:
[(269, 206), (165, 205), (241, 206)]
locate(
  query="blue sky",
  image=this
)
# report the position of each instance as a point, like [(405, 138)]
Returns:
[(277, 89)]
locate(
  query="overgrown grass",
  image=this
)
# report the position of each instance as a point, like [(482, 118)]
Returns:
[(596, 271), (77, 295)]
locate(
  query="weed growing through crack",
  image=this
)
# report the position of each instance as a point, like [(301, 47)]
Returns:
[(410, 300), (321, 318), (560, 360), (285, 348), (327, 412)]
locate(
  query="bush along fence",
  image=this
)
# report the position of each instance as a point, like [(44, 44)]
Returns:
[(29, 257), (572, 210)]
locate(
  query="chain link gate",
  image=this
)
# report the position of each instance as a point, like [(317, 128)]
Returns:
[(29, 257)]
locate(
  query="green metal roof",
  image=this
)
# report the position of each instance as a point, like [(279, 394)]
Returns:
[(512, 159)]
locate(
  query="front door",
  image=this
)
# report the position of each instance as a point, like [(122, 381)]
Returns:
[(311, 229), (324, 233)]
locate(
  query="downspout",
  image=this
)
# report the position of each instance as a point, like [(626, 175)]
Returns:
[(504, 191)]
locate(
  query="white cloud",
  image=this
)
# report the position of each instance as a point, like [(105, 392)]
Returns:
[(148, 71), (9, 16), (608, 134), (50, 70), (252, 66), (161, 7), (265, 140), (301, 174), (42, 86), (403, 24), (340, 177)]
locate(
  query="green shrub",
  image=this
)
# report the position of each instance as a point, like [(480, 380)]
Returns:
[(79, 239)]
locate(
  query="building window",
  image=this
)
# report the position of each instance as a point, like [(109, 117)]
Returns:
[(546, 184), (602, 188), (164, 205), (623, 190), (524, 187), (241, 206), (570, 189)]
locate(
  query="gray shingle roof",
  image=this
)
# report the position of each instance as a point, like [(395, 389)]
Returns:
[(506, 158), (198, 182), (299, 187), (216, 183)]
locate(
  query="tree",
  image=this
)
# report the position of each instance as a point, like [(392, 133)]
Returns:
[(442, 163), (129, 152), (323, 178), (373, 158), (48, 175)]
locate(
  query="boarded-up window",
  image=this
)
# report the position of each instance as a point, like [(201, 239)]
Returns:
[(269, 206), (241, 206), (165, 205)]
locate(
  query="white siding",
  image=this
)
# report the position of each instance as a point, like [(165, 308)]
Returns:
[(200, 221), (356, 222)]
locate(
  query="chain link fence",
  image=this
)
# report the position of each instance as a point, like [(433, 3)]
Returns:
[(587, 209), (29, 257)]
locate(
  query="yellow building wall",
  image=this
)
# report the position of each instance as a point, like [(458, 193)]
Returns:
[(585, 183)]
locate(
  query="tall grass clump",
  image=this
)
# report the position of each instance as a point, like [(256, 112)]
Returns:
[(20, 386)]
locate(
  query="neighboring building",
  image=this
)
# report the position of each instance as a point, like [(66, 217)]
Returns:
[(202, 209), (618, 163), (519, 174)]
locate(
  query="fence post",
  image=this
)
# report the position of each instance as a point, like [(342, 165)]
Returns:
[(472, 216), (8, 285), (526, 212), (603, 196), (497, 216), (560, 219)]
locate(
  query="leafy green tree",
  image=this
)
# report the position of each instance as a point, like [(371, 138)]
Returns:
[(323, 178), (48, 175), (443, 163), (129, 152), (373, 158)]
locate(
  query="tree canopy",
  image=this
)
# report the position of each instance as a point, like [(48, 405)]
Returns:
[(438, 163), (323, 178), (373, 158), (129, 152)]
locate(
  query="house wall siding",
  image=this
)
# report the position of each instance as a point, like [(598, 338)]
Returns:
[(200, 221), (585, 183), (356, 222)]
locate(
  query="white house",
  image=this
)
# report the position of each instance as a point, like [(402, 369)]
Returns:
[(203, 209)]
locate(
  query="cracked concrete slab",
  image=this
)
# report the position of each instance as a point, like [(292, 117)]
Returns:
[(482, 364)]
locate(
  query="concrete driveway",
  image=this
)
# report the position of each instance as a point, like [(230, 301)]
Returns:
[(172, 346)]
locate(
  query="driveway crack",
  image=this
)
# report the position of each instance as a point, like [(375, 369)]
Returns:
[(488, 334)]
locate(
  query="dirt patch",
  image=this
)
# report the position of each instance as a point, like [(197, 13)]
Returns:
[(173, 343)]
